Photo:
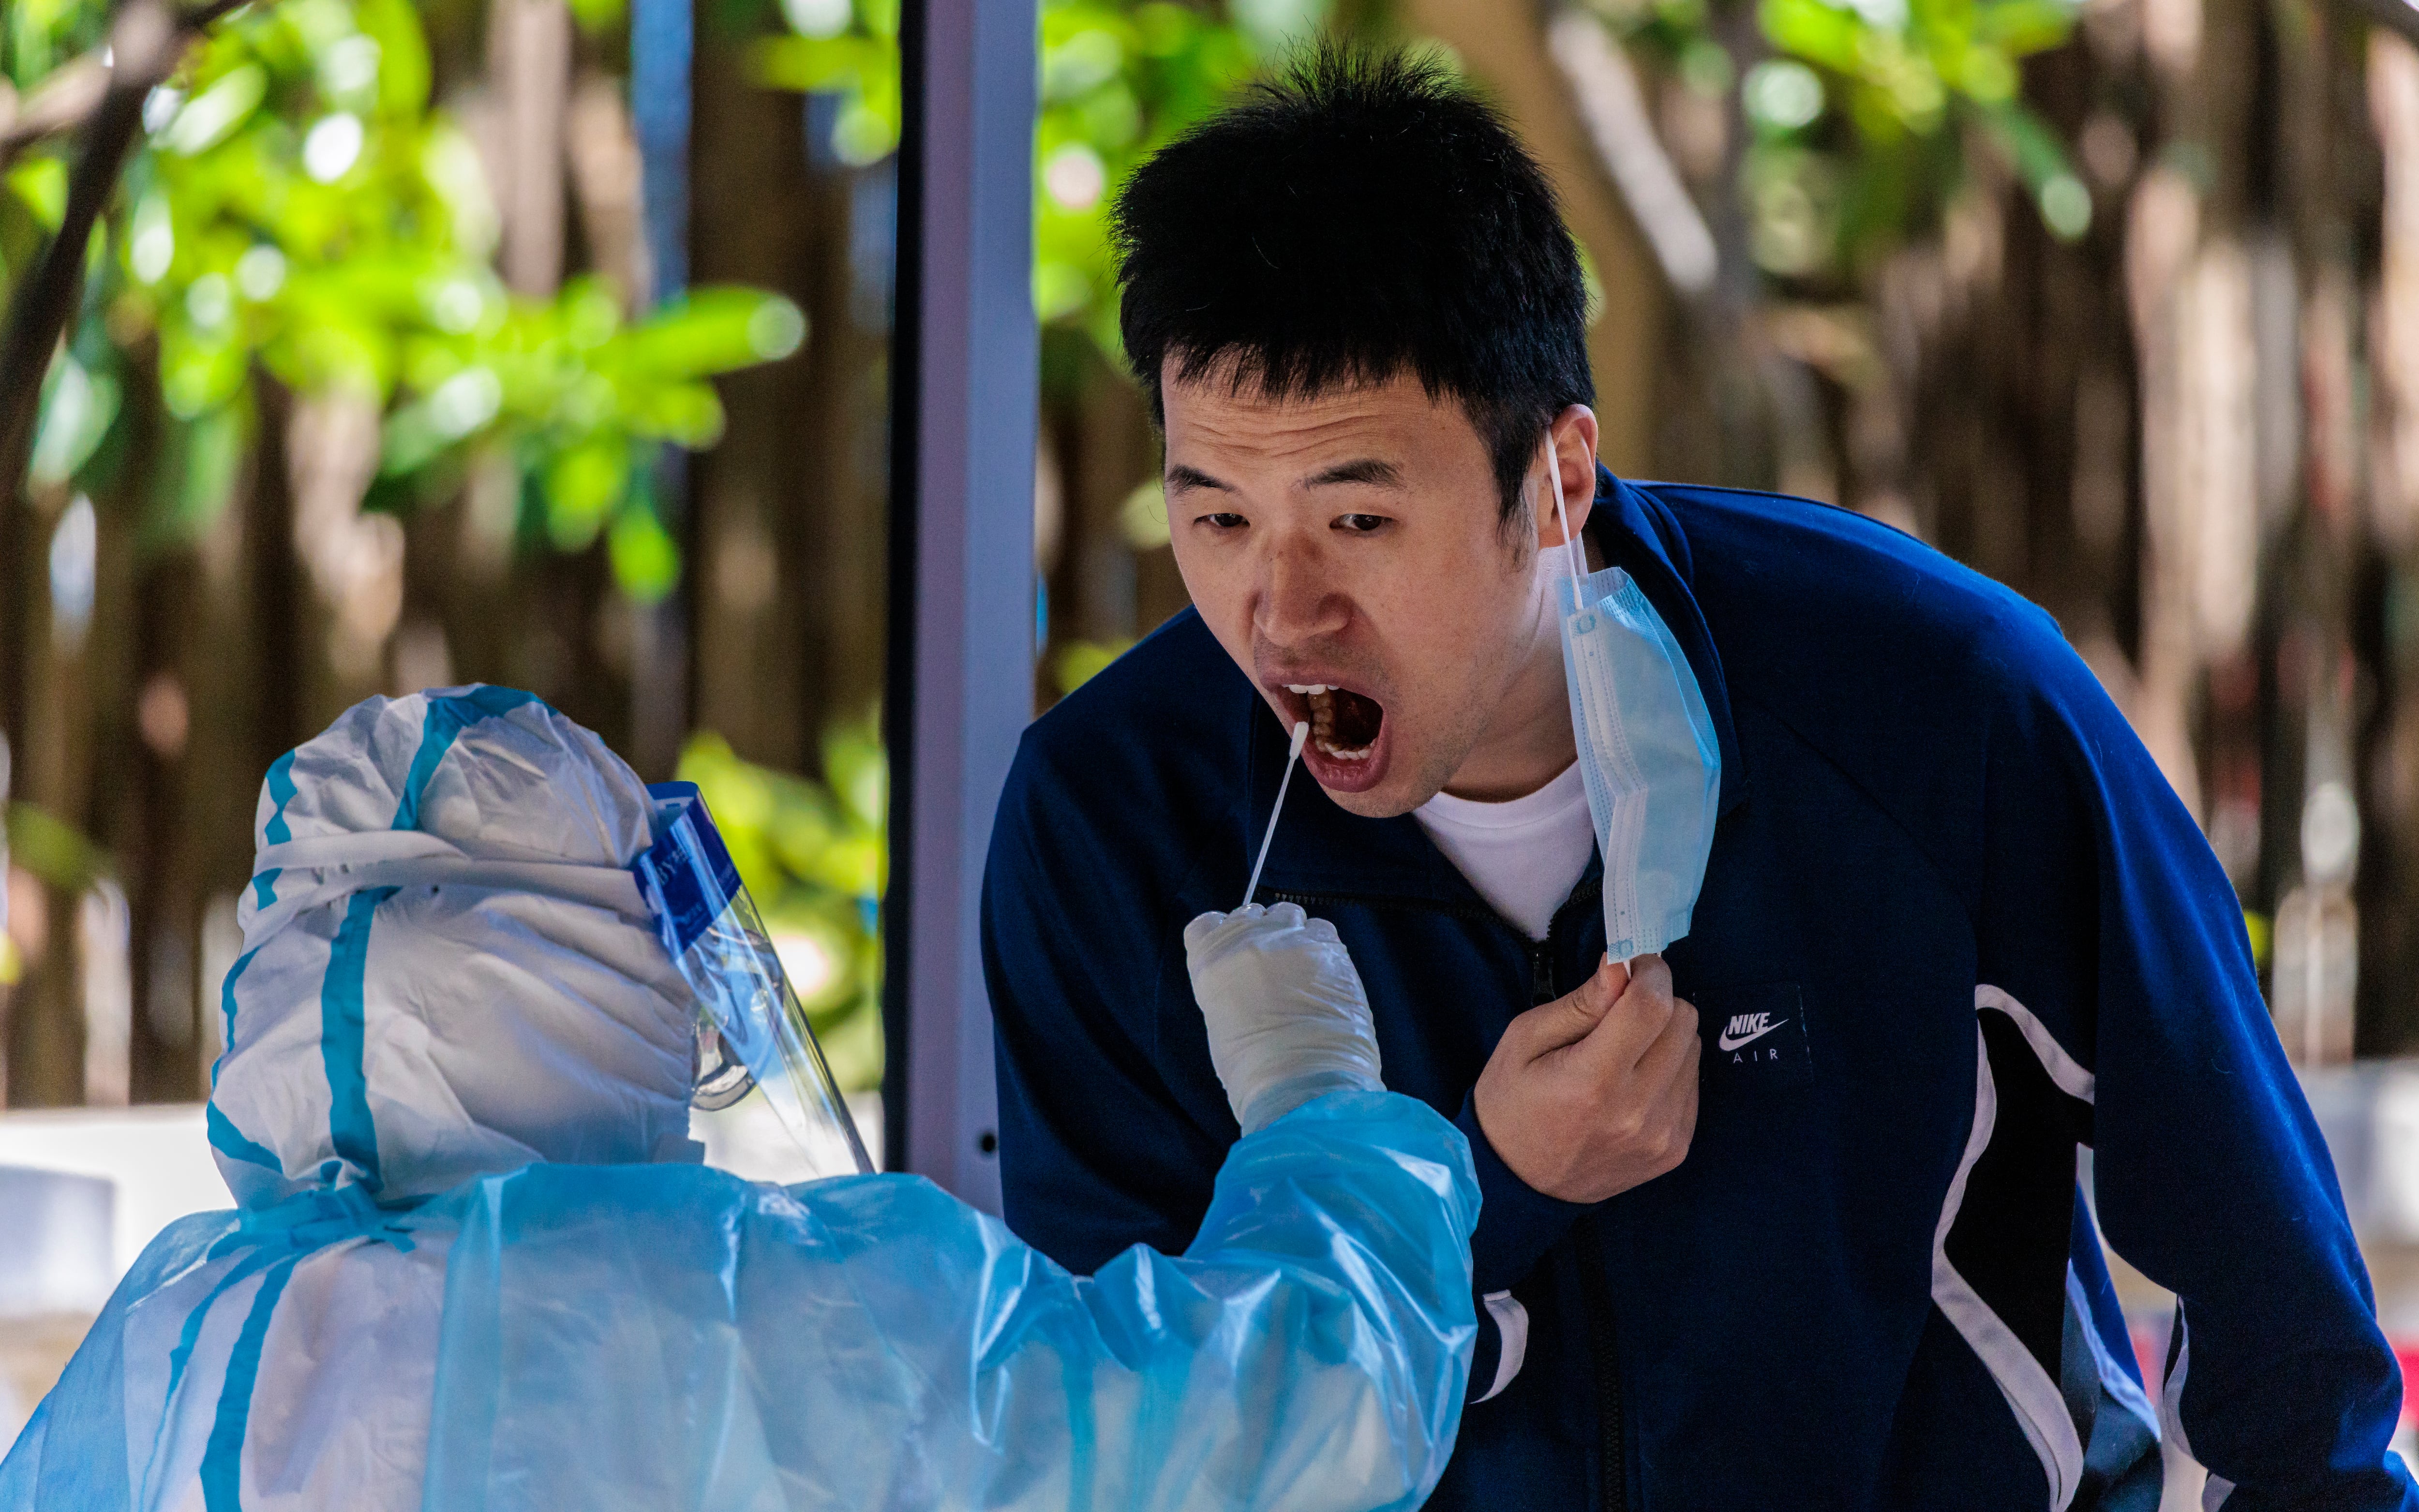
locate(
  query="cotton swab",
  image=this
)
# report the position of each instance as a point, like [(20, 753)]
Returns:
[(1293, 753)]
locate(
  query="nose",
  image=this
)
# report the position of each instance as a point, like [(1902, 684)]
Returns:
[(1299, 602)]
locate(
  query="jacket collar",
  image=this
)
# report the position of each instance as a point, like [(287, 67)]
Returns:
[(1323, 848), (1638, 533)]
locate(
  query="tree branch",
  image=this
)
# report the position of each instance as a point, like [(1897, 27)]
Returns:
[(61, 102), (66, 101), (147, 37)]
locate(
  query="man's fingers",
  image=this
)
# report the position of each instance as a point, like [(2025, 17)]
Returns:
[(1673, 1053), (1571, 1018), (1600, 991), (1672, 1114), (1650, 975), (1635, 1022), (1684, 1122), (1593, 1094)]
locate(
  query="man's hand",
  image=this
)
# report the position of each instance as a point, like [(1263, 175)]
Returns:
[(1287, 1017), (1596, 1092)]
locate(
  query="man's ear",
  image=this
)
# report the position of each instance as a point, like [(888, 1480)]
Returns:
[(1573, 453)]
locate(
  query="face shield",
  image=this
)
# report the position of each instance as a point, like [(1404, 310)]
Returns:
[(751, 1031)]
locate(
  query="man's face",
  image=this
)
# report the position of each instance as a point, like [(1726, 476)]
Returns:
[(1347, 551)]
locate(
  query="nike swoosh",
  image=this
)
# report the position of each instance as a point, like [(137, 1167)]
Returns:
[(1728, 1043)]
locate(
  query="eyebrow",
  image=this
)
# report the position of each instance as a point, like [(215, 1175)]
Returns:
[(1360, 470), (1180, 479)]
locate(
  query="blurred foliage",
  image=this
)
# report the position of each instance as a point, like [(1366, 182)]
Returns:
[(852, 50), (1118, 83), (37, 36), (1863, 120), (1120, 79), (298, 209), (1079, 662), (52, 851), (813, 857), (50, 847)]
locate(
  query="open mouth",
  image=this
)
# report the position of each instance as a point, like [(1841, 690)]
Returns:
[(1343, 724)]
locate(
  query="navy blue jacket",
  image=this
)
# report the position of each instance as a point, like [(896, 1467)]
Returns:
[(1983, 934)]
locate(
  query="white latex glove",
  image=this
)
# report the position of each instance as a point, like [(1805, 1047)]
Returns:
[(1287, 1017)]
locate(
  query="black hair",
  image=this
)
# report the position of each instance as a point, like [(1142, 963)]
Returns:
[(1357, 215)]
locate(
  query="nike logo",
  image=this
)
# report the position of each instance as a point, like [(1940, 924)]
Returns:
[(1746, 1028)]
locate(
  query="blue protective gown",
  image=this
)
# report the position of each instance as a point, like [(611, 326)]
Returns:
[(670, 1337)]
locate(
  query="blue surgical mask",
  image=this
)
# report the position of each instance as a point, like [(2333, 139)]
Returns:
[(1648, 753)]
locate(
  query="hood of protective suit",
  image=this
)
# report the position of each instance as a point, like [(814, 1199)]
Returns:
[(448, 970)]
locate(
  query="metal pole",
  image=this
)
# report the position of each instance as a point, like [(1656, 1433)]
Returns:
[(663, 48), (963, 398)]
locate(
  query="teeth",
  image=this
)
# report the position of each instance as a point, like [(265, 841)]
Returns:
[(1322, 721)]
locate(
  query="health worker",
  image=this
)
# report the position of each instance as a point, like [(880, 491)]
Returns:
[(1782, 1205), (476, 1265)]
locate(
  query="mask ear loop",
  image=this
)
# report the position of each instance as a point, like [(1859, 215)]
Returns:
[(1570, 542), (1562, 516)]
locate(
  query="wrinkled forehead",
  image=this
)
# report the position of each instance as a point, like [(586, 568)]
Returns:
[(1218, 419)]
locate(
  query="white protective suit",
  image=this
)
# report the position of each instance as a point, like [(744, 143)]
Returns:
[(475, 1267)]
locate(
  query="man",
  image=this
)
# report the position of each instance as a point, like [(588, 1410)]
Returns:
[(1831, 1249), (476, 1265)]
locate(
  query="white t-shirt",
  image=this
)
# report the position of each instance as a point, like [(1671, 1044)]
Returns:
[(1523, 857)]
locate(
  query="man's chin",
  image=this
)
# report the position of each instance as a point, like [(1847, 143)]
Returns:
[(1381, 802)]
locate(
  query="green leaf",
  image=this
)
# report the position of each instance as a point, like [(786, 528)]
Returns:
[(54, 850), (211, 116), (584, 485), (1817, 32), (77, 407), (1165, 29), (198, 371), (822, 65), (324, 348), (200, 468), (687, 413), (1986, 75), (646, 563), (716, 329), (42, 184), (1082, 661), (2031, 146), (1088, 55), (2023, 27), (1060, 289), (865, 133), (403, 54), (597, 16), (859, 772)]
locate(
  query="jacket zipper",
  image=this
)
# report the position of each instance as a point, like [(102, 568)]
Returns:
[(1603, 1335), (1604, 1341)]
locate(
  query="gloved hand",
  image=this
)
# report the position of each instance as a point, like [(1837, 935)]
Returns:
[(1287, 1017)]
